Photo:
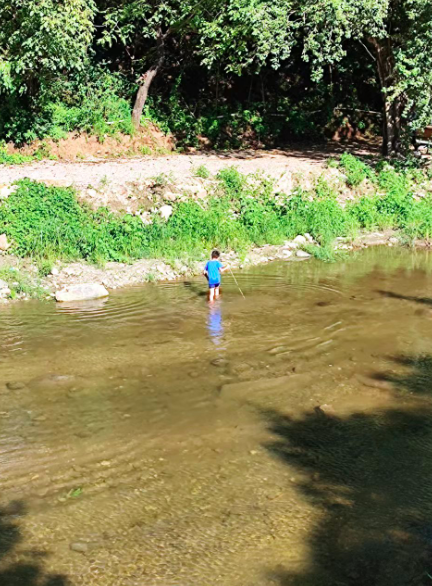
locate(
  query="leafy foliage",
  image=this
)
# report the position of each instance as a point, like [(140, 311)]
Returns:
[(356, 171), (40, 38)]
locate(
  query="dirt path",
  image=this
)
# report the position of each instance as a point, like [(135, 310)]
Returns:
[(179, 167)]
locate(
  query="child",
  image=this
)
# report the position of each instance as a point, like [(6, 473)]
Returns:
[(212, 271)]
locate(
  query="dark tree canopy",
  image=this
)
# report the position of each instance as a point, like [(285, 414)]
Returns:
[(299, 56)]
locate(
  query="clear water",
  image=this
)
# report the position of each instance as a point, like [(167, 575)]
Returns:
[(151, 439)]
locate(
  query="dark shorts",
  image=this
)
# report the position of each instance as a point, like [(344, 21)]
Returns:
[(214, 285)]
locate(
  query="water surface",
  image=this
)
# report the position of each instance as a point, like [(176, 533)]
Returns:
[(282, 439)]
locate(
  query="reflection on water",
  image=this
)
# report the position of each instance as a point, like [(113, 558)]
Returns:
[(214, 323), (133, 452)]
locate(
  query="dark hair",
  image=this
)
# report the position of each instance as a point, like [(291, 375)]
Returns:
[(215, 254)]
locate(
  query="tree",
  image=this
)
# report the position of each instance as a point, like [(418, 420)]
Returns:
[(248, 34), (397, 35), (40, 38), (144, 27)]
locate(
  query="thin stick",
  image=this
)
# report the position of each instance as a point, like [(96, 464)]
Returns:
[(233, 276)]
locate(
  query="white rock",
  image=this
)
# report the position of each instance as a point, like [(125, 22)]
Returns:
[(4, 292), (284, 184), (4, 244), (166, 212), (170, 196), (308, 237), (81, 292), (145, 218), (300, 239), (55, 271), (286, 253), (92, 192), (7, 190), (302, 254)]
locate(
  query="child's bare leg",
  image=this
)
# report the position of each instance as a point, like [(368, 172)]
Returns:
[(216, 292), (211, 294)]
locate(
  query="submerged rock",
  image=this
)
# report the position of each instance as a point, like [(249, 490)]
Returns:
[(325, 410), (81, 292), (15, 386), (79, 546)]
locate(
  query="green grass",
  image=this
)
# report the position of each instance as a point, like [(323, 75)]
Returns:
[(48, 223), (356, 171), (7, 158), (202, 172)]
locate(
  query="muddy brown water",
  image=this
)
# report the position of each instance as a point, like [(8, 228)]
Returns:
[(283, 439)]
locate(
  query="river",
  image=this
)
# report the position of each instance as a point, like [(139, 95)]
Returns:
[(283, 439)]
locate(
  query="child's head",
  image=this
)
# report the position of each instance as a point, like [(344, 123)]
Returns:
[(215, 254)]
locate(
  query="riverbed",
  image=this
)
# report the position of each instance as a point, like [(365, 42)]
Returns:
[(281, 438)]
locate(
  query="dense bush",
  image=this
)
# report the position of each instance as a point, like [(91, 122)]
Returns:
[(97, 102)]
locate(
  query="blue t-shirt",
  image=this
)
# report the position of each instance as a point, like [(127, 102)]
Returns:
[(213, 268)]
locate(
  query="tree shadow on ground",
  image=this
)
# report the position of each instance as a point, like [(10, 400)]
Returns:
[(28, 569), (369, 478), (421, 300)]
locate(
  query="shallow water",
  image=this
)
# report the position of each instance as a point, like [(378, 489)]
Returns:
[(152, 439)]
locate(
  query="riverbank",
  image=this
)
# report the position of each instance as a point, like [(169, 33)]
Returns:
[(21, 279), (51, 238)]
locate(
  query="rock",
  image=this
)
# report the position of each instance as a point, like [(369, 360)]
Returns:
[(166, 211), (393, 240), (81, 292), (15, 386), (201, 194), (300, 239), (92, 192), (4, 244), (4, 292), (302, 254), (284, 184), (7, 190), (55, 271), (170, 196), (79, 546), (286, 253), (326, 410), (309, 238)]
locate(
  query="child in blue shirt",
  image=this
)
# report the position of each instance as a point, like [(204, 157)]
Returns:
[(212, 271)]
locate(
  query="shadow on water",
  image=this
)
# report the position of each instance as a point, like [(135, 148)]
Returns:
[(391, 295), (28, 571), (368, 476), (195, 289)]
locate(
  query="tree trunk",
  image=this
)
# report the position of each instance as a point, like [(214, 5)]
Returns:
[(146, 81), (393, 108)]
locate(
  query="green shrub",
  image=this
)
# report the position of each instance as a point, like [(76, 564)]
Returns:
[(365, 212), (355, 170), (202, 172), (49, 223), (7, 158)]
